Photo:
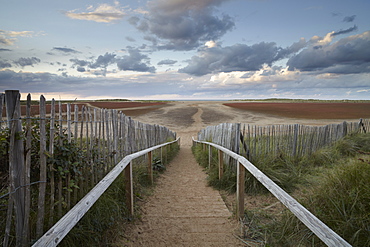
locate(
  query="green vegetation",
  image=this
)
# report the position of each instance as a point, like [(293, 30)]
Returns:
[(332, 183), (100, 226), (71, 161)]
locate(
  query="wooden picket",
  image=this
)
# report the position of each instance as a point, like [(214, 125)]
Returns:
[(105, 136), (292, 140), (327, 235)]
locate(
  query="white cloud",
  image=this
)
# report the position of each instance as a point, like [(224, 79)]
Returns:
[(103, 13), (210, 44), (9, 37)]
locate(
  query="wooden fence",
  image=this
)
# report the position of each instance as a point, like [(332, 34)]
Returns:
[(256, 141), (328, 236), (56, 233), (49, 161)]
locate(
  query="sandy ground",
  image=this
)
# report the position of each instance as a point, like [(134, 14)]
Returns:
[(183, 210), (178, 115)]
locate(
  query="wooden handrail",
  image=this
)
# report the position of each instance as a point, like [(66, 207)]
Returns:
[(57, 232), (327, 235)]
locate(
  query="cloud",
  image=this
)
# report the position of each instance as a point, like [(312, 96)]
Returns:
[(3, 49), (4, 65), (238, 57), (103, 61), (91, 87), (65, 50), (167, 62), (183, 24), (27, 61), (349, 18), (351, 29), (9, 37), (133, 62), (17, 33), (130, 39), (103, 13), (81, 69), (6, 41), (346, 56), (79, 62)]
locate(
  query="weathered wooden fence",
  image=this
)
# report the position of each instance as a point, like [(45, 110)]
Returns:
[(255, 141), (56, 233), (327, 235), (57, 156)]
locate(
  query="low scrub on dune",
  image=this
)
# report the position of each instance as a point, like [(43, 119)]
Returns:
[(332, 183)]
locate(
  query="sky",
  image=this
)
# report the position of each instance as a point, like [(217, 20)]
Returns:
[(186, 49)]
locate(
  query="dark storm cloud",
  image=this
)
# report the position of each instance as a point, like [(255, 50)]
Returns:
[(239, 57), (167, 61), (65, 50), (5, 65), (27, 61), (346, 56), (3, 49), (351, 29), (183, 24), (349, 18), (133, 62)]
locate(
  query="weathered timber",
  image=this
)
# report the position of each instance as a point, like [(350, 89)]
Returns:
[(55, 234), (327, 235)]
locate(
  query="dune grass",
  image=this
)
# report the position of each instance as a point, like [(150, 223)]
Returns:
[(333, 183)]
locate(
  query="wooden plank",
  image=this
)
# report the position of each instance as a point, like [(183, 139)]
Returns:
[(16, 161), (69, 120), (327, 235), (2, 100), (150, 167), (129, 189), (220, 164), (51, 166), (209, 156), (42, 185), (240, 188), (27, 174)]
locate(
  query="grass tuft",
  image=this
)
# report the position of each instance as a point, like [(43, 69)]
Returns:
[(332, 183)]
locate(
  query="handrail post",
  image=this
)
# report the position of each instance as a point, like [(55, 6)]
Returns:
[(150, 167), (162, 155), (129, 188), (209, 156), (240, 191), (220, 164)]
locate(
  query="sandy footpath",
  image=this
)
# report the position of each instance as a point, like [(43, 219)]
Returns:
[(183, 210)]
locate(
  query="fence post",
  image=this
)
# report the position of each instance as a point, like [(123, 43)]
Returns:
[(42, 186), (16, 160), (150, 167), (295, 139), (220, 164), (240, 190), (209, 156), (2, 101), (129, 189)]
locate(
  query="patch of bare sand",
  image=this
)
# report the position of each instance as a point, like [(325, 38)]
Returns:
[(178, 115)]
